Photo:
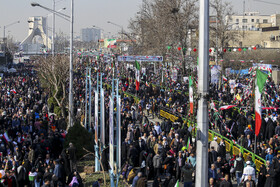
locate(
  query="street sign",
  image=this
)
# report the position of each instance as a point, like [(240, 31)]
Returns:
[(140, 58)]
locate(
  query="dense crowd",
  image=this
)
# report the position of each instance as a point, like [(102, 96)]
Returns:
[(32, 150), (31, 140), (166, 146)]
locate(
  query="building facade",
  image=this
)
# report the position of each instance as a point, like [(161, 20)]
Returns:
[(250, 21), (90, 34)]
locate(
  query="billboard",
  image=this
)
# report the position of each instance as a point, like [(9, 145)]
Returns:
[(140, 58), (110, 43)]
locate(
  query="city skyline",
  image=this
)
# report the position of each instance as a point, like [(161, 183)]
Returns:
[(88, 13)]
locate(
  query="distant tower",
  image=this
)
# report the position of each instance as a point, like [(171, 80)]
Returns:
[(37, 27)]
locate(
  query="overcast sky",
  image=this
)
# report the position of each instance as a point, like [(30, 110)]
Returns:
[(92, 12)]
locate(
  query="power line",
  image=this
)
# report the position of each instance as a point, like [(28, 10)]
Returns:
[(267, 2)]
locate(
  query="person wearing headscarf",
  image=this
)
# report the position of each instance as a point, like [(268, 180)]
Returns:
[(262, 176), (271, 180)]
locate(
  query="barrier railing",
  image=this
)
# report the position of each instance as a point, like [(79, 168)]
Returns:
[(235, 149), (231, 147)]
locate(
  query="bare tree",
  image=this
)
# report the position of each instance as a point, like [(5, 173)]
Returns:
[(162, 23), (219, 28), (54, 73)]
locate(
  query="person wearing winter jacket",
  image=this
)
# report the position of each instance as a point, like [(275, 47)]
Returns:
[(157, 163)]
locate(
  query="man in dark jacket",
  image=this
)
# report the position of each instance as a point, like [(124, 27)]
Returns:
[(187, 171), (157, 163), (72, 157), (226, 182)]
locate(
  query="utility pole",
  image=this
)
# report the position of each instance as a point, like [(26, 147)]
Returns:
[(203, 87), (71, 67), (53, 31)]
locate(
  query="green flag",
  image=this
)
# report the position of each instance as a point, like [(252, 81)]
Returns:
[(261, 79)]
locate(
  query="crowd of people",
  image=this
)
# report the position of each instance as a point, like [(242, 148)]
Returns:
[(31, 140), (32, 150), (161, 148)]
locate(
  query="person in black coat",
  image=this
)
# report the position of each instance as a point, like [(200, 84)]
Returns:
[(271, 177), (72, 157), (262, 176), (213, 156), (226, 182), (132, 155), (124, 150), (179, 163), (270, 129), (169, 163), (149, 166)]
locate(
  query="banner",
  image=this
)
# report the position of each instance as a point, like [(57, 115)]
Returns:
[(110, 43), (174, 75), (119, 132), (228, 71), (102, 120), (96, 116), (111, 133), (140, 58), (232, 84), (167, 115), (215, 74)]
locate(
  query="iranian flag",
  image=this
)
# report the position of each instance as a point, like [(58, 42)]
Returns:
[(137, 75), (227, 107), (147, 84), (177, 184), (191, 94), (188, 143), (224, 78), (6, 137), (260, 82)]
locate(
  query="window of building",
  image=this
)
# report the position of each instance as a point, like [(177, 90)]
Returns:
[(258, 20), (265, 21), (237, 20), (244, 20), (252, 20), (244, 27)]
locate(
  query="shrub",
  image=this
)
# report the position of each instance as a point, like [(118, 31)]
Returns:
[(81, 138), (57, 111)]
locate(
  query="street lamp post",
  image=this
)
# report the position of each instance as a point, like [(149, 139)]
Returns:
[(71, 20), (53, 31), (122, 31), (117, 26), (4, 40)]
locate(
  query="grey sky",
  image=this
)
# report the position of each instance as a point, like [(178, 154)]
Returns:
[(92, 12)]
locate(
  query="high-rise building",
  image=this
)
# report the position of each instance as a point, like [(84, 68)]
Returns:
[(90, 34)]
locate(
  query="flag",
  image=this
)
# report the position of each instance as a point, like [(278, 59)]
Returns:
[(238, 97), (227, 107), (191, 94), (14, 91), (177, 184), (224, 78), (6, 137), (147, 84), (137, 75), (260, 82), (188, 143)]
